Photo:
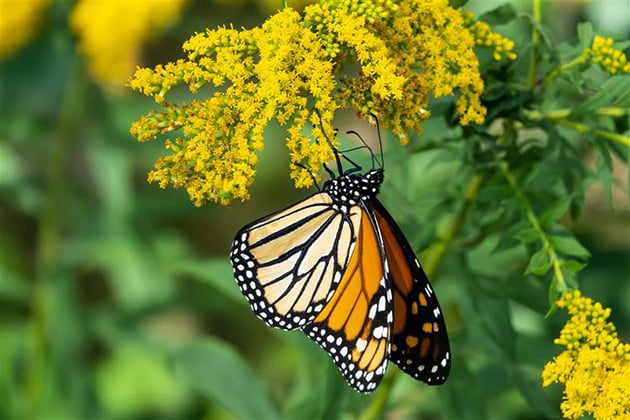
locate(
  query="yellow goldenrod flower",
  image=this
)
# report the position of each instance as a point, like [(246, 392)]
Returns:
[(375, 56), (287, 78), (19, 21), (595, 367), (609, 58), (484, 37), (111, 32)]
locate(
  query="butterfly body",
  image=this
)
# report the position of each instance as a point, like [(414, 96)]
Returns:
[(336, 266)]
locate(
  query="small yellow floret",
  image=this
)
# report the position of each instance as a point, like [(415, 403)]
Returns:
[(609, 58)]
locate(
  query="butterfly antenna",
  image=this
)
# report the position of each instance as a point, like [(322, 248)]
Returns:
[(364, 145), (334, 149), (380, 140)]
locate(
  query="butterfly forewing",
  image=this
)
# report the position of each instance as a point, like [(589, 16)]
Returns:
[(420, 343), (289, 264), (355, 325)]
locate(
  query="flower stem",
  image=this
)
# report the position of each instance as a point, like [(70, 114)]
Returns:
[(585, 129), (533, 64), (432, 261), (430, 264), (560, 117), (559, 70), (533, 220)]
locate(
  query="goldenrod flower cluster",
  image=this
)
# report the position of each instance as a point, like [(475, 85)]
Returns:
[(595, 367), (501, 47), (276, 71), (111, 33), (19, 21), (375, 56), (611, 59)]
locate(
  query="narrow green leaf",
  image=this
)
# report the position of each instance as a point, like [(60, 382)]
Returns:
[(609, 92), (585, 34), (554, 211), (507, 239), (504, 243), (568, 245), (553, 308), (569, 278), (618, 86), (219, 373), (527, 235), (573, 265), (604, 167), (539, 263), (553, 295)]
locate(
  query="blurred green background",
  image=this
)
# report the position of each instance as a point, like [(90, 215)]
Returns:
[(117, 299)]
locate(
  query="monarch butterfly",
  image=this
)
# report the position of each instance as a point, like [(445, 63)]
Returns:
[(337, 266)]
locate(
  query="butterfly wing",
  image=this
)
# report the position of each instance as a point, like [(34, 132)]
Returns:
[(354, 327), (420, 343), (289, 264)]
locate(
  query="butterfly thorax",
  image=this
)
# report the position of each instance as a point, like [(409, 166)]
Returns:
[(352, 189)]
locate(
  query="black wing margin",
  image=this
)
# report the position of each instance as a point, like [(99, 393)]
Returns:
[(420, 342)]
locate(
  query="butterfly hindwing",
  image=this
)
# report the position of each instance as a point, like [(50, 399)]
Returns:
[(289, 264), (420, 342), (355, 325)]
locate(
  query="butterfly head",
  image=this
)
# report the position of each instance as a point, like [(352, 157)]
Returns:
[(352, 189)]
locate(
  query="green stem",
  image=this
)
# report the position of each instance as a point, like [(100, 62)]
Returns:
[(430, 264), (50, 226), (585, 129), (432, 261), (560, 117), (564, 113), (533, 220), (559, 70), (533, 64)]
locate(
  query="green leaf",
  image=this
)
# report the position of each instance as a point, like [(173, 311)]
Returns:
[(539, 263), (457, 4), (554, 211), (527, 235), (568, 245), (555, 290), (573, 265), (501, 15), (608, 93), (219, 373), (505, 242), (569, 278), (585, 34), (604, 167)]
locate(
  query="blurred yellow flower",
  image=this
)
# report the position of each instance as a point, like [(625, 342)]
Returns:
[(19, 21), (611, 59), (375, 56), (595, 367), (111, 32), (484, 37)]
